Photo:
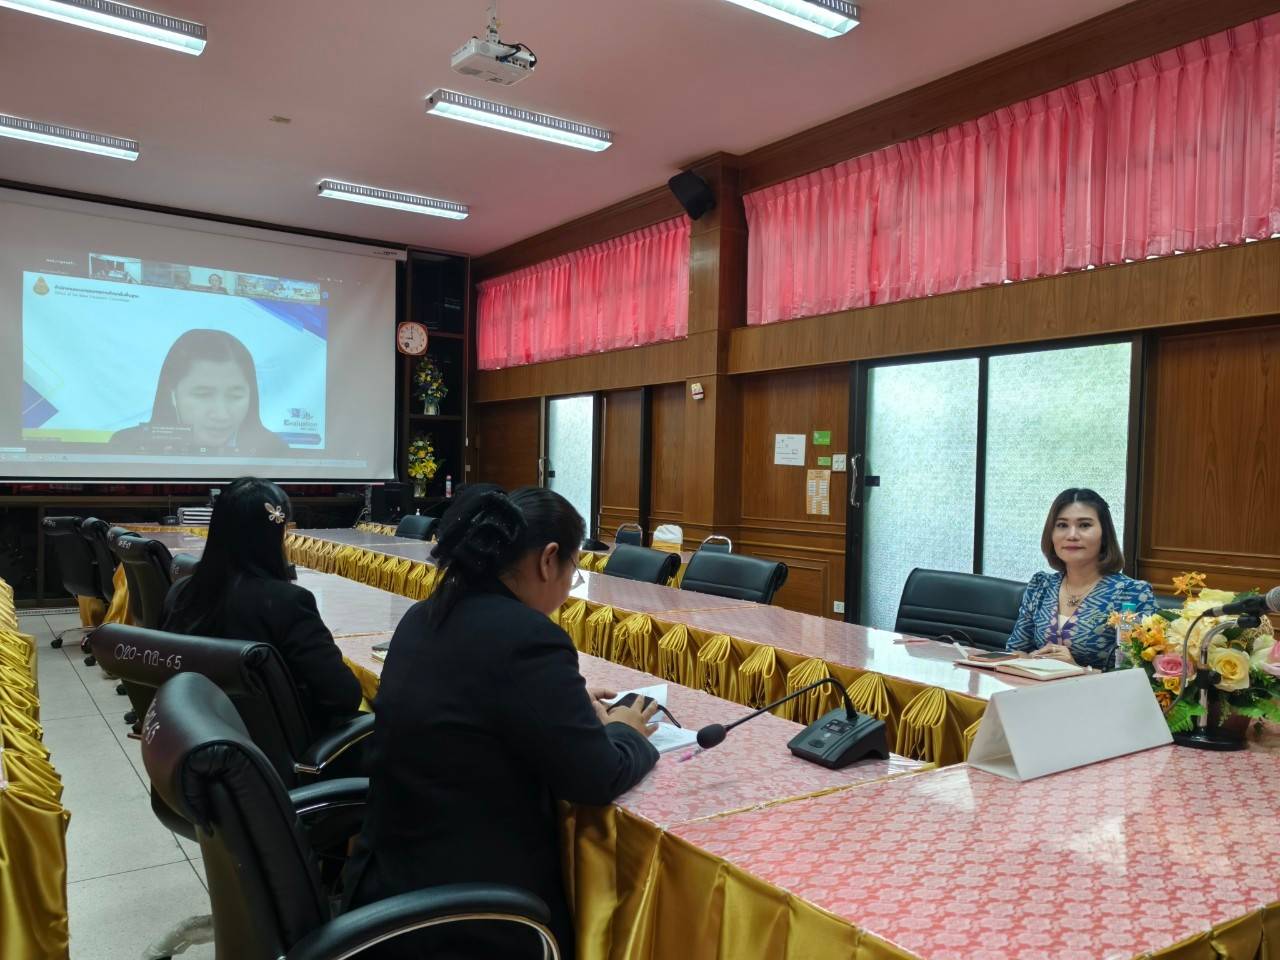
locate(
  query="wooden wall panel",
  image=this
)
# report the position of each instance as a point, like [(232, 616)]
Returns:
[(774, 522), (620, 459), (1225, 283), (505, 442), (1212, 474), (667, 466)]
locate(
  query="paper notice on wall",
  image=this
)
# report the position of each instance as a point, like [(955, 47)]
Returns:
[(818, 493), (788, 449)]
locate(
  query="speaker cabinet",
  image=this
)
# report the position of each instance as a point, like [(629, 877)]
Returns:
[(694, 194), (390, 501)]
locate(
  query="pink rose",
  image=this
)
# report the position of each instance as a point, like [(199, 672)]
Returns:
[(1168, 665)]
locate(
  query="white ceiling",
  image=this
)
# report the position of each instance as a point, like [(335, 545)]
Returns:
[(674, 80)]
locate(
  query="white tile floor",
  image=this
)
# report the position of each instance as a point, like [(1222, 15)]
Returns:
[(129, 880)]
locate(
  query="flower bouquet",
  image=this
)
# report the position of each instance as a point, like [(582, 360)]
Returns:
[(422, 464), (428, 385), (1244, 663)]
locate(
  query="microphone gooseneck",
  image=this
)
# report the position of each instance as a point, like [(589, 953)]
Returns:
[(714, 733), (1258, 603)]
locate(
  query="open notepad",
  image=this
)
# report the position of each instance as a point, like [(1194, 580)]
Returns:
[(668, 736), (1037, 669)]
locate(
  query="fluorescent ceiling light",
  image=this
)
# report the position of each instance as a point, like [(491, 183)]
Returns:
[(377, 197), (120, 20), (827, 18), (499, 116), (53, 135)]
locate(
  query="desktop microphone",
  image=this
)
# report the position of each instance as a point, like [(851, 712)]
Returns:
[(1255, 604), (834, 740)]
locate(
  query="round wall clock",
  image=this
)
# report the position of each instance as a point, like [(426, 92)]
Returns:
[(411, 338)]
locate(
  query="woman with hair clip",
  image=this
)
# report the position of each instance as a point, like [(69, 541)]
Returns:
[(241, 590), (1064, 614), (484, 722)]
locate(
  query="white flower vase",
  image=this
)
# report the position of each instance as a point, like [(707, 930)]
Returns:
[(419, 488), (431, 408)]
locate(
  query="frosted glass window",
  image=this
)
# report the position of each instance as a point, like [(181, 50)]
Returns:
[(570, 440), (922, 440), (1055, 419)]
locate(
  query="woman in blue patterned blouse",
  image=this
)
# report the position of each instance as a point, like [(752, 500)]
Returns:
[(1064, 613)]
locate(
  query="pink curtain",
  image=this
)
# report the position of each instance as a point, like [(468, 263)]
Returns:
[(1178, 152), (627, 291)]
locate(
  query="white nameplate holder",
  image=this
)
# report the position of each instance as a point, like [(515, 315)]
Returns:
[(1037, 730)]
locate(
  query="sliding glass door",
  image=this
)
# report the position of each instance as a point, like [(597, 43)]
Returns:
[(955, 461)]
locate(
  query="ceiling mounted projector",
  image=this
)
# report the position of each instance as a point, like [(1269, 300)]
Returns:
[(492, 60)]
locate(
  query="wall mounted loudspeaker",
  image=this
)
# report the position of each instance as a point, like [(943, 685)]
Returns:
[(693, 193)]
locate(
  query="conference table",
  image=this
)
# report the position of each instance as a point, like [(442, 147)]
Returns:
[(744, 851)]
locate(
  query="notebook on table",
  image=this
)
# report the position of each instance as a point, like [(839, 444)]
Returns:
[(1015, 664)]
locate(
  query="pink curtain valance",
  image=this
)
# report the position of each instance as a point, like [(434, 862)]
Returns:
[(625, 292), (1174, 153)]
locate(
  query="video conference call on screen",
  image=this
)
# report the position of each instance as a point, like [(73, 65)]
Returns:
[(147, 367)]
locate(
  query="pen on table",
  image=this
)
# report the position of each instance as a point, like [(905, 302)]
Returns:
[(689, 755)]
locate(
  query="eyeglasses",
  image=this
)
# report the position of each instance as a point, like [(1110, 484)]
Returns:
[(578, 579)]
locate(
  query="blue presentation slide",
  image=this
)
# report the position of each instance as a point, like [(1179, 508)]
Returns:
[(239, 359)]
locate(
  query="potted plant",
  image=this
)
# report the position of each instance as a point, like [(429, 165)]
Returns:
[(428, 386), (423, 464)]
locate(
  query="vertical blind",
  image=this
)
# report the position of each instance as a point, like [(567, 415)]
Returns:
[(1173, 153), (628, 291)]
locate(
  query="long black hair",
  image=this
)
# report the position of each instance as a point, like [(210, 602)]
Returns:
[(487, 532), (217, 347), (246, 539)]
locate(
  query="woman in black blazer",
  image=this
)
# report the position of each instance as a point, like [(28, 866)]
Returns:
[(484, 722), (242, 590)]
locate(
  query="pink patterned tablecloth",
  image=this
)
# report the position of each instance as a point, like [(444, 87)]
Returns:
[(926, 662), (350, 608), (1111, 860), (752, 768), (651, 598)]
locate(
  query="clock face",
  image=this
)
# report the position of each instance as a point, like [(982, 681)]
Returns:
[(411, 338)]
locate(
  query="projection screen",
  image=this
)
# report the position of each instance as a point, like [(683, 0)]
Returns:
[(138, 345)]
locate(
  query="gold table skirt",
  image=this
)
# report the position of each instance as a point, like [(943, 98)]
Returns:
[(33, 823)]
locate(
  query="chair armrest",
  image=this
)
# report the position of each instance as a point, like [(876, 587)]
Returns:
[(329, 794), (333, 743), (357, 930)]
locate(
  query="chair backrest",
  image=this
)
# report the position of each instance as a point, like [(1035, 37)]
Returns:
[(717, 543), (641, 563), (148, 570), (184, 565), (669, 537), (630, 533), (264, 882), (94, 532), (975, 610), (592, 545), (253, 675), (76, 563), (417, 527), (734, 575)]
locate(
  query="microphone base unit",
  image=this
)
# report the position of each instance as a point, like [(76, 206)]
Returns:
[(1208, 740), (835, 741)]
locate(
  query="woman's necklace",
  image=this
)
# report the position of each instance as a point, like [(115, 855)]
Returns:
[(1075, 599)]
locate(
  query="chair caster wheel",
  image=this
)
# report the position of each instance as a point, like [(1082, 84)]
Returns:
[(120, 690), (137, 729), (91, 661), (131, 717), (57, 642)]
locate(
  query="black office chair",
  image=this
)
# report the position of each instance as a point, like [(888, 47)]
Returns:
[(264, 885), (717, 543), (641, 563), (594, 545), (1166, 602), (734, 575), (255, 677), (148, 573), (184, 565), (973, 610), (96, 534), (417, 527), (630, 533), (76, 564)]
